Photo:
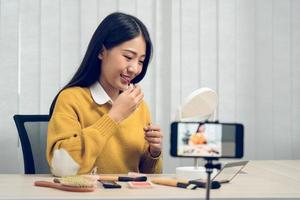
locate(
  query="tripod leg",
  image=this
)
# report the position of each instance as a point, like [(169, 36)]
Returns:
[(208, 185)]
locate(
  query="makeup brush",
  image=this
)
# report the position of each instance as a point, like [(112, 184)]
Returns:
[(122, 178), (201, 184), (173, 183), (184, 183)]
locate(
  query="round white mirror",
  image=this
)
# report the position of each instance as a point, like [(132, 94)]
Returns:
[(200, 105)]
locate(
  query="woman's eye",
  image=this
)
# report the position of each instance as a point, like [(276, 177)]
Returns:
[(128, 57), (141, 62)]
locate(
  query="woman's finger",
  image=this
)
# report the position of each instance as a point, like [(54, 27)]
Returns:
[(153, 134), (153, 140), (140, 98), (136, 91), (152, 127)]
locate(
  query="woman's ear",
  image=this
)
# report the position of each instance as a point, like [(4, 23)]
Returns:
[(100, 56), (101, 53)]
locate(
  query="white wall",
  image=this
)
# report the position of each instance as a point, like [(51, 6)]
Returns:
[(247, 50)]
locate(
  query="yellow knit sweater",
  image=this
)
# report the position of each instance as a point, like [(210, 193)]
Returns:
[(92, 139)]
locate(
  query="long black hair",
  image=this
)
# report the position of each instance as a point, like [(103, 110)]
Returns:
[(115, 29)]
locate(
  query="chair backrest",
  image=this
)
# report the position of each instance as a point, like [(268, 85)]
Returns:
[(32, 130)]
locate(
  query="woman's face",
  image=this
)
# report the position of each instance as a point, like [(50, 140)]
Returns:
[(122, 63), (201, 129)]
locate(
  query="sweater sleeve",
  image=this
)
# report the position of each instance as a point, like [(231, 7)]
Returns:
[(72, 149), (149, 164)]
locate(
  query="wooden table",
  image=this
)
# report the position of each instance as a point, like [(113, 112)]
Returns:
[(261, 180)]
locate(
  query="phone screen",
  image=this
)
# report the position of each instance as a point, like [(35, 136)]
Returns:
[(194, 139)]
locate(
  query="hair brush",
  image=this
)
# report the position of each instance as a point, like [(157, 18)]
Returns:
[(71, 184)]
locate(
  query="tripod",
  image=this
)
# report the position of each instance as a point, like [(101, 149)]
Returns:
[(209, 166)]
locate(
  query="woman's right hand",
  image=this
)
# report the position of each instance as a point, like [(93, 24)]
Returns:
[(126, 103)]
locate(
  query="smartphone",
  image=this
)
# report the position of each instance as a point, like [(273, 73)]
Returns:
[(110, 184), (207, 140)]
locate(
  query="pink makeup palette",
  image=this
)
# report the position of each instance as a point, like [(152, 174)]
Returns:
[(140, 185)]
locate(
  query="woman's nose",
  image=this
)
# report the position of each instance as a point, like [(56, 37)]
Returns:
[(133, 68)]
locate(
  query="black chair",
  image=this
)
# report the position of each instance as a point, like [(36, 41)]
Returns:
[(32, 130)]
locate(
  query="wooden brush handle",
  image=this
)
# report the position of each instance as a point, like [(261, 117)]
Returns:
[(62, 187), (108, 178), (164, 181)]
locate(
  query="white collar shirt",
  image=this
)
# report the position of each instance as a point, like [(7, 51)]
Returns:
[(99, 95)]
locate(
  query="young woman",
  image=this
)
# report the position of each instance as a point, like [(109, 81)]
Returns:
[(99, 120)]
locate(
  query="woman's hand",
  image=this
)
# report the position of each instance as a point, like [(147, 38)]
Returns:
[(154, 136), (126, 103)]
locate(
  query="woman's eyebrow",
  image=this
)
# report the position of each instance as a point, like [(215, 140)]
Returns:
[(133, 52)]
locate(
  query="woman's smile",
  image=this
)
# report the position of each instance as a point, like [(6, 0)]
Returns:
[(125, 79)]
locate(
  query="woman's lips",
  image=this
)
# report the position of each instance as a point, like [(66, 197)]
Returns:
[(125, 79)]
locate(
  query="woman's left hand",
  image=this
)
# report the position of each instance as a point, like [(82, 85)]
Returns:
[(154, 136)]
